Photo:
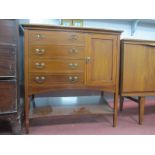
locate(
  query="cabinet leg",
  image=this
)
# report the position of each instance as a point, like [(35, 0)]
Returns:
[(33, 101), (27, 107), (115, 109), (121, 103), (16, 125), (141, 109), (102, 93)]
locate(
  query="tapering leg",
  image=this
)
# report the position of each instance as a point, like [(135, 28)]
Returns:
[(16, 125), (141, 109), (33, 101), (102, 93), (115, 109), (121, 103)]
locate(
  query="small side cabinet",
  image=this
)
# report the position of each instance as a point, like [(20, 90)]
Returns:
[(137, 77), (10, 105)]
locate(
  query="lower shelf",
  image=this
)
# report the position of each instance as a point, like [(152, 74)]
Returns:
[(59, 106)]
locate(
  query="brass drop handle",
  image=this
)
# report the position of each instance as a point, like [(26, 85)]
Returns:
[(73, 65), (40, 51), (88, 59), (76, 78), (73, 78), (73, 37), (40, 79), (73, 50), (40, 65), (39, 36)]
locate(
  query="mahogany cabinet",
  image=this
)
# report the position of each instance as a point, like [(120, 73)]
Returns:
[(137, 76), (58, 58), (10, 105)]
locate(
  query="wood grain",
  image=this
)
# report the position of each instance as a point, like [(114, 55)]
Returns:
[(8, 96), (57, 66), (7, 60), (138, 68), (57, 51), (56, 38), (56, 79), (102, 66)]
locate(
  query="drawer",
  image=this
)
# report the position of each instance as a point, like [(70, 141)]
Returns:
[(8, 94), (56, 79), (55, 37), (7, 61), (56, 51), (57, 66)]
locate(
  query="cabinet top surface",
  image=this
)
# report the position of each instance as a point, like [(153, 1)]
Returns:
[(137, 40), (54, 27)]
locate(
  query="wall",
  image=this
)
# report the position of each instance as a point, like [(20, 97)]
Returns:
[(45, 21), (143, 31)]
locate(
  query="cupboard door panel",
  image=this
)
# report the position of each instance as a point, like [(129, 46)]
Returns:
[(8, 96), (7, 60), (138, 68), (101, 68)]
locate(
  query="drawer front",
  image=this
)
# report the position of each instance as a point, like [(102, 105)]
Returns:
[(8, 95), (56, 79), (57, 66), (54, 37), (7, 61), (56, 51)]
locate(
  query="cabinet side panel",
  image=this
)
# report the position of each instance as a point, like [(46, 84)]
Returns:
[(139, 68)]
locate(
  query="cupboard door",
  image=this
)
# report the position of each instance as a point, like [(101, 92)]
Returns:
[(7, 60), (8, 96), (101, 60), (138, 68)]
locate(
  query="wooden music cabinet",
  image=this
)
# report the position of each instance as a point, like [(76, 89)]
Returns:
[(10, 104), (58, 57), (137, 74)]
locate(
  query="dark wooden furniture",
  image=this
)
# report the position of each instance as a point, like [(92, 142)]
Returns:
[(10, 107), (137, 76), (58, 57)]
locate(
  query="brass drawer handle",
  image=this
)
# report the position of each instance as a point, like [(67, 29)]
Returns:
[(73, 78), (40, 65), (73, 50), (40, 51), (88, 60), (40, 79), (73, 65), (73, 37), (39, 36)]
